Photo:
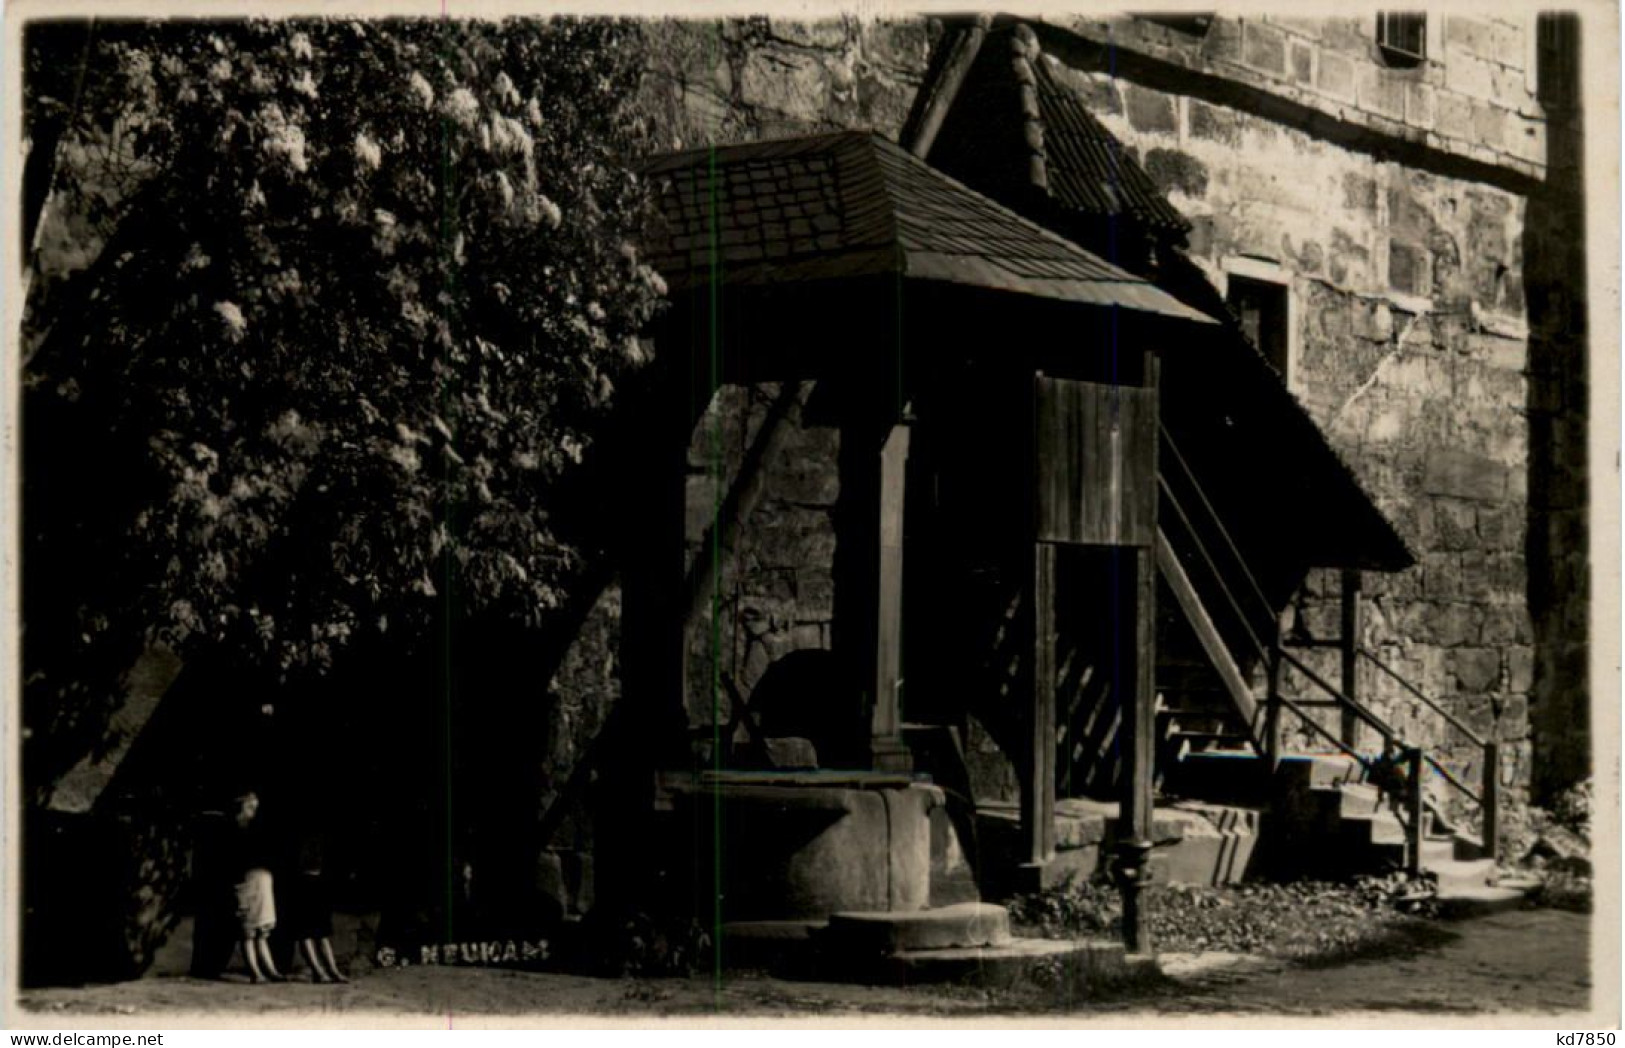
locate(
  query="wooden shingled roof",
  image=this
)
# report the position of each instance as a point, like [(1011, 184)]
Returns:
[(1088, 169), (1016, 132), (853, 204), (1012, 128)]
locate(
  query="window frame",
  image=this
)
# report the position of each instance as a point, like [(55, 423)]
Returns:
[(1398, 53), (1264, 271)]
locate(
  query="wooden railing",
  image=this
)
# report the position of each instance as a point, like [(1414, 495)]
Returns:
[(1239, 588)]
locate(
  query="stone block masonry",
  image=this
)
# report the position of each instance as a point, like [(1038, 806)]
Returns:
[(775, 592), (1409, 349), (1416, 283), (744, 79)]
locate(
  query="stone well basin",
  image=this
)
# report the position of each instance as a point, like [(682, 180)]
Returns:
[(806, 844)]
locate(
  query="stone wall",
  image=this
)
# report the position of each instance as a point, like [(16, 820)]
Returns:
[(735, 81), (741, 80), (1397, 205), (774, 592), (1472, 99), (1410, 340)]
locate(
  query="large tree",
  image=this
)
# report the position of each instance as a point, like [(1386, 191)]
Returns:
[(323, 316)]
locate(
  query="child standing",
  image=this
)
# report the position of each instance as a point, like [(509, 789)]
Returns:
[(256, 905), (308, 912)]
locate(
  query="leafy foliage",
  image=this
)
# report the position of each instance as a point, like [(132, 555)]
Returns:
[(326, 314), (1572, 809)]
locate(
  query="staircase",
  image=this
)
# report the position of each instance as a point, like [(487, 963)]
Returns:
[(1226, 714)]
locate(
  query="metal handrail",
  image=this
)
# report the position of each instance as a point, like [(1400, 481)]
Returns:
[(1435, 707), (1452, 780), (1485, 797), (1388, 734), (1487, 800), (1213, 567), (1364, 761), (1213, 514)]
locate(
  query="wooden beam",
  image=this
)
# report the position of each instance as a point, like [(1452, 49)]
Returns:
[(1349, 643), (1235, 685), (654, 563), (1140, 720), (783, 416), (939, 94), (653, 705), (144, 686), (1273, 737), (1038, 778), (886, 723), (1137, 734), (1137, 737)]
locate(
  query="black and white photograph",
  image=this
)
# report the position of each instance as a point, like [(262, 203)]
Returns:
[(851, 515)]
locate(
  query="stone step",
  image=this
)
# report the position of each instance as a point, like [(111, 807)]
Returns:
[(1066, 967), (1437, 850), (1348, 800), (1378, 827), (969, 924), (1215, 848), (1318, 770), (1479, 901), (1220, 776), (1455, 874)]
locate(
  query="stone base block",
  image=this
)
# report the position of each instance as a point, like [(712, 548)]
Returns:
[(1068, 968), (964, 925)]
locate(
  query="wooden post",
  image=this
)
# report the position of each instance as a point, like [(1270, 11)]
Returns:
[(1095, 485), (1038, 784), (1413, 831), (961, 56), (886, 744), (1138, 738), (653, 657), (655, 565), (1349, 642), (1137, 733), (868, 573), (1272, 704), (1490, 799)]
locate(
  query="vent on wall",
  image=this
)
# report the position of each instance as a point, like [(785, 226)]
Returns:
[(1402, 38)]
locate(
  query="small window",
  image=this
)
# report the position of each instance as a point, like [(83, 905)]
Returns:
[(1403, 38), (1261, 307)]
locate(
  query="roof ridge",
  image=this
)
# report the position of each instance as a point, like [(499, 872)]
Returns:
[(1128, 179), (1123, 275), (869, 159), (1025, 50), (663, 159)]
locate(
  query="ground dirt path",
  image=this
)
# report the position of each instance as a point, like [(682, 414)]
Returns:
[(1531, 961), (1522, 961)]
